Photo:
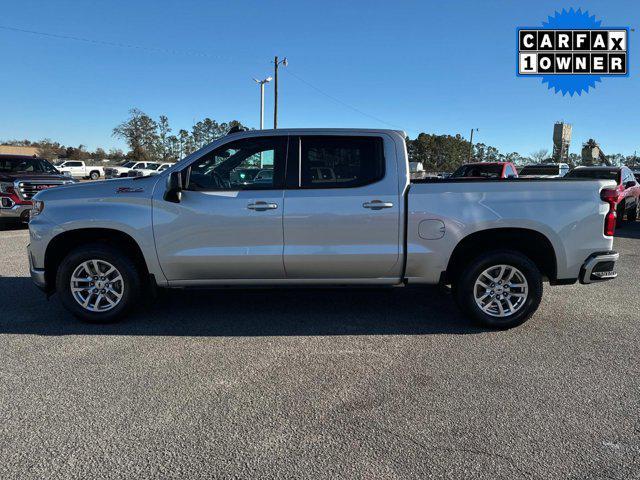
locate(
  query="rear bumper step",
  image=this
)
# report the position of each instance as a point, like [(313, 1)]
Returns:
[(599, 267)]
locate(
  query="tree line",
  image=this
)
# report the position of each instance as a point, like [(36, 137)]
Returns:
[(444, 153), (149, 139)]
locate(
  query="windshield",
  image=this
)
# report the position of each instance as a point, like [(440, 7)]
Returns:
[(596, 173), (478, 171), (540, 170), (27, 164), (128, 164)]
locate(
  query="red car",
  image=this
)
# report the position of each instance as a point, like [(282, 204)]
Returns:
[(486, 170), (626, 194)]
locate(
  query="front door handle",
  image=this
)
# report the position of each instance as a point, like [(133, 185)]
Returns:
[(262, 206), (377, 205)]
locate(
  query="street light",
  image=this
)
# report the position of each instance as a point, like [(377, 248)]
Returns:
[(276, 64), (261, 83)]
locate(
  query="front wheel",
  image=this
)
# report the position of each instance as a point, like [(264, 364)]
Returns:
[(97, 283), (500, 289)]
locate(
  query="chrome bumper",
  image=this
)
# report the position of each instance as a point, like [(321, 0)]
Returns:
[(599, 267), (17, 211)]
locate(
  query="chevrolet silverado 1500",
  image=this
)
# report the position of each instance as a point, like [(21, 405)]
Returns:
[(333, 207)]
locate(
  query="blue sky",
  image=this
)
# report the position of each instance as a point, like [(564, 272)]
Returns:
[(432, 66)]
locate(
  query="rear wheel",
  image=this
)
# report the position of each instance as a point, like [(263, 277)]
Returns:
[(94, 175), (97, 283), (620, 211), (500, 289), (632, 215)]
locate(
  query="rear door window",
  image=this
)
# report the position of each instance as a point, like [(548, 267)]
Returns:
[(339, 161)]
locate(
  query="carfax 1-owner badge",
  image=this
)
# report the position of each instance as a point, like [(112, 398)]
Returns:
[(572, 52)]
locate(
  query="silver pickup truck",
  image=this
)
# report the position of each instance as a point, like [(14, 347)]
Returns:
[(318, 207)]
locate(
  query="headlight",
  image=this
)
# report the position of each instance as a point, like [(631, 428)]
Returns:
[(38, 207), (7, 187)]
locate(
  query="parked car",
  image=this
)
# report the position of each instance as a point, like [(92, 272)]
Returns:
[(627, 191), (79, 169), (264, 177), (486, 170), (544, 170), (21, 177), (243, 176), (98, 245), (151, 169), (124, 169)]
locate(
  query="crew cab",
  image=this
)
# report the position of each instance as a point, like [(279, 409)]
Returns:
[(79, 169), (486, 170), (337, 208), (21, 177), (626, 194)]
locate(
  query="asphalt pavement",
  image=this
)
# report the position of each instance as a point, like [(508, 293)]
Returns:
[(327, 383)]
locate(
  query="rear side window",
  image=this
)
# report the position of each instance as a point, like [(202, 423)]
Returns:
[(340, 161)]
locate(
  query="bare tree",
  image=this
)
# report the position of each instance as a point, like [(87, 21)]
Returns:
[(540, 155)]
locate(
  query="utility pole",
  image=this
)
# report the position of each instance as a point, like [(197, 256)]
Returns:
[(471, 143), (261, 83), (276, 64)]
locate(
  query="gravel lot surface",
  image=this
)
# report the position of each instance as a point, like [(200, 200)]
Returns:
[(320, 384)]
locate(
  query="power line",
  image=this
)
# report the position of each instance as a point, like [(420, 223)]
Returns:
[(114, 44), (191, 53), (337, 100)]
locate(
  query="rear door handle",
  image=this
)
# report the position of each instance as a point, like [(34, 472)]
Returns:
[(262, 206), (377, 205)]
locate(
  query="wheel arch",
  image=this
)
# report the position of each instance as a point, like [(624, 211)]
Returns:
[(64, 243), (531, 243)]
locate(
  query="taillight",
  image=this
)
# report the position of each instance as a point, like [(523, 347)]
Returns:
[(611, 197), (610, 223)]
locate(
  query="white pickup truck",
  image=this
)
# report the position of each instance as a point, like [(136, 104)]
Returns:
[(124, 169), (337, 209), (79, 169)]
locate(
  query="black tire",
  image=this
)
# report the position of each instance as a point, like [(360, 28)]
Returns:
[(620, 211), (117, 258), (95, 175), (632, 215), (464, 293)]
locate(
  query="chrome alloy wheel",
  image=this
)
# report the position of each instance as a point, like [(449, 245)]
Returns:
[(97, 285), (501, 290)]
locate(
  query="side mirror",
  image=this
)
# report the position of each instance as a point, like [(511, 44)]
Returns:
[(173, 192), (630, 184)]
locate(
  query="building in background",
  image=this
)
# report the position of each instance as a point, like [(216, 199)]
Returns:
[(592, 154), (561, 142)]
